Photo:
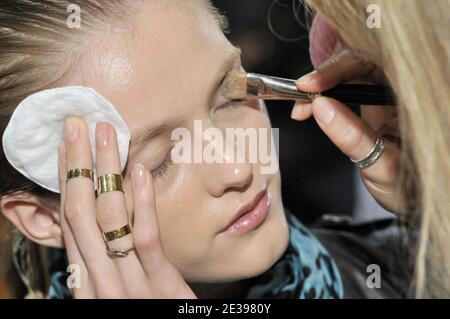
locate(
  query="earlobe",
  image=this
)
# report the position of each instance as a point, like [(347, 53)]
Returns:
[(37, 222)]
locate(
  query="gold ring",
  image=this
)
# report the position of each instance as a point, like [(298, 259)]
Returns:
[(117, 233), (80, 172), (109, 183), (118, 252)]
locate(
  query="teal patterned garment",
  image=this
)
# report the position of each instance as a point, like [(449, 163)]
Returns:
[(306, 270)]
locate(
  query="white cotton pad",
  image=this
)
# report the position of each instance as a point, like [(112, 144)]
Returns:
[(32, 137)]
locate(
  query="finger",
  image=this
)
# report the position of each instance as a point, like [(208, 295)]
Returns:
[(302, 111), (146, 230), (377, 115), (164, 278), (112, 212), (390, 131), (344, 67), (80, 213), (355, 138), (85, 289)]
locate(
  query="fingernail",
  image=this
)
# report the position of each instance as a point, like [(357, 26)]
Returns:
[(324, 111), (71, 130), (102, 135), (139, 177), (297, 111), (307, 77)]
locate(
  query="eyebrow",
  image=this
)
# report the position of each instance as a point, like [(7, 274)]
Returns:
[(146, 135)]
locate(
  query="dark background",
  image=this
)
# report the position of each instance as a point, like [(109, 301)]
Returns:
[(273, 35)]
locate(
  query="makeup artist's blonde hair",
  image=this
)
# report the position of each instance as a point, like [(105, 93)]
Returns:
[(38, 50), (413, 48)]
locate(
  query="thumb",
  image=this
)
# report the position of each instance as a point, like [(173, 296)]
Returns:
[(355, 138), (347, 131)]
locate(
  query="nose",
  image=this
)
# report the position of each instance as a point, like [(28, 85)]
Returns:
[(231, 173), (224, 177)]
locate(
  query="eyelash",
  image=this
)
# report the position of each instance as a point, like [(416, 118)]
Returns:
[(231, 104), (160, 171)]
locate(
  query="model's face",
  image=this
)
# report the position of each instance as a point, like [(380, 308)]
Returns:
[(164, 76)]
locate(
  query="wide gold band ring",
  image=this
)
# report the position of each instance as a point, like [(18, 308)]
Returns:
[(117, 233), (80, 172), (109, 183)]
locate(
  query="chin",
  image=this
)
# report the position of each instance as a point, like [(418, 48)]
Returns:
[(267, 247), (248, 255)]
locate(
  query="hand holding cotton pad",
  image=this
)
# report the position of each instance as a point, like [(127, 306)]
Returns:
[(32, 137)]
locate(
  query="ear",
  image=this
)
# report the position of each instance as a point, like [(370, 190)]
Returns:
[(33, 219)]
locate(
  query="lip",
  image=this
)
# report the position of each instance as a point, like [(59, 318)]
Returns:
[(249, 216)]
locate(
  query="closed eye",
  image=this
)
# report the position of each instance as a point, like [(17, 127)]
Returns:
[(232, 104), (163, 168)]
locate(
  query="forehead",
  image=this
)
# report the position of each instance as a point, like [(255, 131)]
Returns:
[(165, 66)]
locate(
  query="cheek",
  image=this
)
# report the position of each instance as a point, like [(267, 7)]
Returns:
[(184, 234), (184, 231)]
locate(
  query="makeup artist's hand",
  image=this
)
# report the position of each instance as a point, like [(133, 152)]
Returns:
[(145, 272), (355, 136)]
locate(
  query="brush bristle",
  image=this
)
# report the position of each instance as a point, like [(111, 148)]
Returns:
[(235, 85)]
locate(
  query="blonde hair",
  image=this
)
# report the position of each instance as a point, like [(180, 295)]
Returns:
[(413, 48)]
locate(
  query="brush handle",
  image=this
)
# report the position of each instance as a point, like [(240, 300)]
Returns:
[(274, 88), (362, 94)]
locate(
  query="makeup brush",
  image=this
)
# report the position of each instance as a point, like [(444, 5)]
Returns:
[(240, 85)]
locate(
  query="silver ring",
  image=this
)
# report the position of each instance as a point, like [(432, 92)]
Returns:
[(373, 155)]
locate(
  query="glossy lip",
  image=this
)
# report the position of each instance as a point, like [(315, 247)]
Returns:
[(254, 206)]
